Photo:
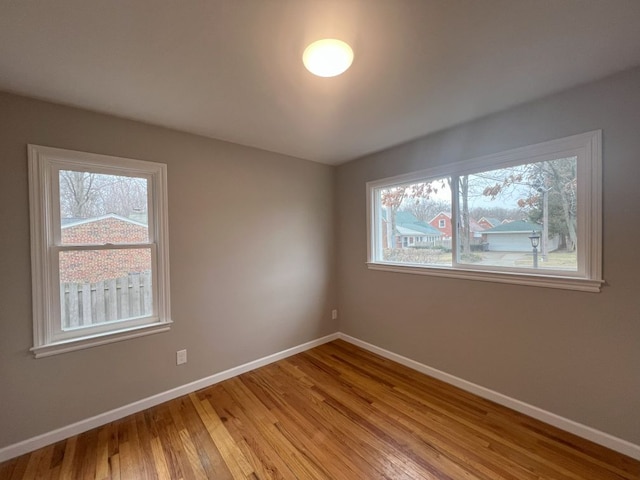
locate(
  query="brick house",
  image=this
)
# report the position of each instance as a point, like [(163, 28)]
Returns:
[(92, 266), (442, 222), (488, 222)]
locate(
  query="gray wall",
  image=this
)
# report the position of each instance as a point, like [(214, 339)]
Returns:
[(251, 246), (252, 237), (574, 354)]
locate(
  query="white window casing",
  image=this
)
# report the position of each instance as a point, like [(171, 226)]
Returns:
[(45, 163), (586, 148)]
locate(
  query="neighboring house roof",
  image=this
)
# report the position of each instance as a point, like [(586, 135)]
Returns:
[(73, 222), (491, 220), (475, 226), (518, 226), (446, 214), (408, 220), (404, 231)]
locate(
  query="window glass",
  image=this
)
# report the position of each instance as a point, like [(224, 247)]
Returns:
[(98, 286), (531, 216), (533, 208), (96, 208), (99, 228), (409, 219)]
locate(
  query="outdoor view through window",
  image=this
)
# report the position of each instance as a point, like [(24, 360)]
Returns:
[(521, 217), (112, 281)]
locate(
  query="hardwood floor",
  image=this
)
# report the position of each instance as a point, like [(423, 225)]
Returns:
[(334, 412)]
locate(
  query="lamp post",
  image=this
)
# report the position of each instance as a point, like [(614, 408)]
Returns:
[(535, 241)]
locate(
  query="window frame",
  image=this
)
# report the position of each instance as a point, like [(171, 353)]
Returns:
[(587, 147), (44, 165)]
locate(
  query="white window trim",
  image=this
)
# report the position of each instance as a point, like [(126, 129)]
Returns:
[(44, 216), (587, 146)]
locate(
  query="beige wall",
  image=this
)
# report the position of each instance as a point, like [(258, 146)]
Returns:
[(574, 354), (251, 239)]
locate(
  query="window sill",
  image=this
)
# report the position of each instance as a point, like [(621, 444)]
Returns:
[(98, 339), (566, 283)]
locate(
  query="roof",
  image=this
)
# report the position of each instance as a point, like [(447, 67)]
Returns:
[(518, 226), (404, 231), (408, 221), (492, 220), (446, 214), (74, 222), (475, 226)]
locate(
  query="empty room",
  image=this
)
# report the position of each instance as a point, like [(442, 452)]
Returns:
[(320, 239)]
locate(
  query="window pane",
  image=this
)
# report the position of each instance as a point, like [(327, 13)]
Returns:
[(96, 209), (414, 223), (501, 210), (99, 286)]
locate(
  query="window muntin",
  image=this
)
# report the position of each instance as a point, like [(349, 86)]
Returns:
[(99, 249), (566, 171)]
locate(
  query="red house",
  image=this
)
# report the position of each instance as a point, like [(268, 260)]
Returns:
[(442, 222), (487, 222)]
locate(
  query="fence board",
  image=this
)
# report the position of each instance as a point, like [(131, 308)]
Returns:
[(135, 295), (63, 304), (72, 305), (98, 302), (123, 297), (110, 300), (147, 305), (86, 304)]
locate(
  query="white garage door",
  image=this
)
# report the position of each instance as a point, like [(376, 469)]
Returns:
[(509, 242)]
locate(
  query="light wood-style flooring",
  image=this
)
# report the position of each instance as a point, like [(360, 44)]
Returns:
[(334, 412)]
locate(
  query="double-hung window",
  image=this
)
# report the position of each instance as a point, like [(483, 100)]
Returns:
[(529, 216), (99, 247)]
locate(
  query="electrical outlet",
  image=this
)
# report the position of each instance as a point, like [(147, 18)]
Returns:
[(181, 357), (334, 314)]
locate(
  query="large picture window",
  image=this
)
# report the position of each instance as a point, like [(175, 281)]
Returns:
[(530, 216), (99, 249)]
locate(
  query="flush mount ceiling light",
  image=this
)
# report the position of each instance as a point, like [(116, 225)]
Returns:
[(328, 57)]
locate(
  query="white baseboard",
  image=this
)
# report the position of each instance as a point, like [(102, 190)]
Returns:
[(48, 438), (596, 436)]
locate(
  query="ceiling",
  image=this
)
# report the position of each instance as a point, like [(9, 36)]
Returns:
[(232, 69)]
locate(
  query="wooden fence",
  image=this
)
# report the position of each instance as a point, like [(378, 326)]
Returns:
[(84, 304)]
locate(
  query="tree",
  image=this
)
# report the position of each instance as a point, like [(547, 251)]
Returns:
[(78, 193), (393, 198), (499, 213), (86, 194), (556, 179), (424, 209)]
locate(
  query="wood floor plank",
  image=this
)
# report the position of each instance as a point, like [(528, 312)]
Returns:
[(335, 412), (230, 413), (229, 450), (453, 440)]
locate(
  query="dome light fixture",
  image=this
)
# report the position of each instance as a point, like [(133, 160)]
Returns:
[(328, 57)]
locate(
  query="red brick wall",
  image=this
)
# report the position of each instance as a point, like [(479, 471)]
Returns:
[(447, 224), (107, 230), (94, 266)]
